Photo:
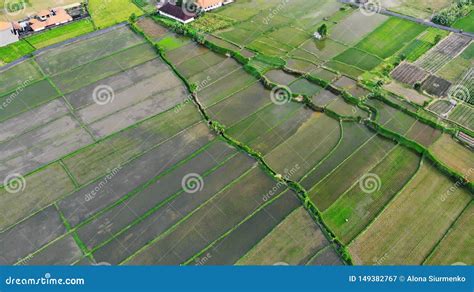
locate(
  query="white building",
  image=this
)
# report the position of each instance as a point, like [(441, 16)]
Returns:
[(7, 34), (177, 13)]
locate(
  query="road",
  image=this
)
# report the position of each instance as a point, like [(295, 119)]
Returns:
[(414, 19)]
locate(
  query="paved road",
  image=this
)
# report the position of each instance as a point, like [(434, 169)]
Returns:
[(414, 19)]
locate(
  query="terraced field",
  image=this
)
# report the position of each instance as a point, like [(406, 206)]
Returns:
[(118, 179)]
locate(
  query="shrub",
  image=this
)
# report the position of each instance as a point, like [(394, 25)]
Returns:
[(449, 15), (323, 30), (417, 86)]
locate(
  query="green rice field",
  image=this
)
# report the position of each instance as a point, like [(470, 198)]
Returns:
[(390, 37)]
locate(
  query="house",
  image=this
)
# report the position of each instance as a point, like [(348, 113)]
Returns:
[(207, 5), (7, 34), (184, 15), (48, 18), (177, 13), (43, 15)]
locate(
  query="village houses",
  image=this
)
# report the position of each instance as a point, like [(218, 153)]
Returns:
[(185, 15)]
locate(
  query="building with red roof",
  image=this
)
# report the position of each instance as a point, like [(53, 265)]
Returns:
[(48, 18), (186, 13)]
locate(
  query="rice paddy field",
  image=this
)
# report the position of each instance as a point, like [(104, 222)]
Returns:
[(15, 51), (386, 242), (422, 9), (60, 34), (390, 37), (105, 14), (155, 149)]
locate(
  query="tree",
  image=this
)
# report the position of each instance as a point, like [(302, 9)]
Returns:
[(133, 18), (323, 30), (417, 86)]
